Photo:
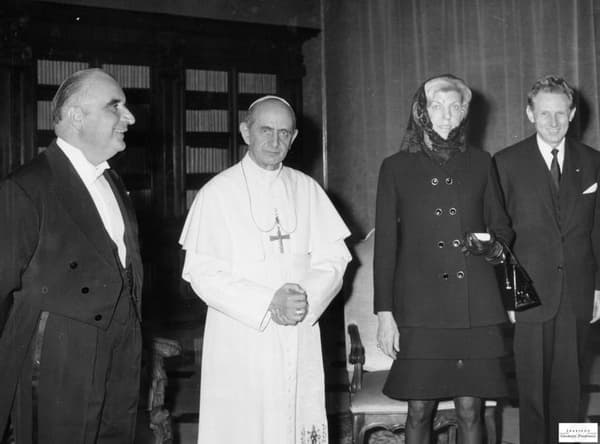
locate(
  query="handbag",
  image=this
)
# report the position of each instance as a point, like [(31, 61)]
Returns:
[(516, 286)]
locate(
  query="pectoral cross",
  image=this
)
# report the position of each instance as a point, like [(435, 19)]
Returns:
[(280, 237)]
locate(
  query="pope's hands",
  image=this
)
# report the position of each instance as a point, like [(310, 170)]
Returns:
[(388, 337), (289, 305)]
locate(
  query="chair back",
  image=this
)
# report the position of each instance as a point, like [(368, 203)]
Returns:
[(358, 308)]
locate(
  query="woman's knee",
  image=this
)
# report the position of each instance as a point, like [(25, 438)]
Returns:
[(468, 409), (420, 411)]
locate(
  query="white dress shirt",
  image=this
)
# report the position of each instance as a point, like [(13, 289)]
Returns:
[(546, 151), (101, 194)]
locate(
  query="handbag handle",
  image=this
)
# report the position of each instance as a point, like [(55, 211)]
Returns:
[(510, 256), (507, 255), (513, 259)]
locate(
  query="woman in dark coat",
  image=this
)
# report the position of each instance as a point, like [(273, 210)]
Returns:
[(439, 309)]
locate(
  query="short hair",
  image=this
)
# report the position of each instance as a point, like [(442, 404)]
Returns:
[(249, 119), (71, 86), (448, 82), (551, 84)]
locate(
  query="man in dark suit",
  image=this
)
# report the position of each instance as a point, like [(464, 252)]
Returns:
[(70, 278), (547, 206)]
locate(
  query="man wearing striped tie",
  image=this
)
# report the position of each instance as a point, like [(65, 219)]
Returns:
[(546, 205)]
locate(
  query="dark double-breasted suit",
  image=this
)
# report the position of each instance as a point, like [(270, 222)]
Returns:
[(556, 237), (423, 211), (446, 304), (66, 300)]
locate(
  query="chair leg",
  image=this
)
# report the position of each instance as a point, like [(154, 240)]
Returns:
[(358, 422), (490, 425), (452, 434)]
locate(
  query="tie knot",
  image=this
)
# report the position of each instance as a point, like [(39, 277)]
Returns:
[(554, 152)]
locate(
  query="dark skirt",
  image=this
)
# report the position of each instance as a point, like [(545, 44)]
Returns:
[(448, 363)]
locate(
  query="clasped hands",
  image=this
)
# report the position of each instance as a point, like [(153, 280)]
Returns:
[(289, 305)]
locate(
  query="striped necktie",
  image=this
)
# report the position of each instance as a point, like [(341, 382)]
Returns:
[(555, 169)]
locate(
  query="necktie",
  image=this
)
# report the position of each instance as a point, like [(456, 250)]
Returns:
[(555, 169)]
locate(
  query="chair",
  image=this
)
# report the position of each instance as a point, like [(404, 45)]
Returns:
[(160, 418), (368, 367)]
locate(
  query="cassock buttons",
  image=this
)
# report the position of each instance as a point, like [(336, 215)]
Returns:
[(441, 244), (449, 181), (452, 211), (435, 181), (456, 243), (460, 274), (98, 318), (85, 290), (438, 211)]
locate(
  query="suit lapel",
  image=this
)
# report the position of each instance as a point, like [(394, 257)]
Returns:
[(570, 184), (128, 213), (538, 174), (131, 235), (78, 203)]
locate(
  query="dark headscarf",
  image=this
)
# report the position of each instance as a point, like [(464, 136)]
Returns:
[(419, 124)]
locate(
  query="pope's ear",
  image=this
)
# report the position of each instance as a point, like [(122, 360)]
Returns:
[(245, 132), (294, 136)]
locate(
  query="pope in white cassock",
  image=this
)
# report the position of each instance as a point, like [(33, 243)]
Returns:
[(265, 250)]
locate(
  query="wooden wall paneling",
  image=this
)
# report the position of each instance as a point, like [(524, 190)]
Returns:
[(167, 46), (17, 114)]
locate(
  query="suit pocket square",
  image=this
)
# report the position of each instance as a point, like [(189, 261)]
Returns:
[(591, 188)]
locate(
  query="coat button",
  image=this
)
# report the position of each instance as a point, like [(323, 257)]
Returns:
[(460, 363), (435, 181), (449, 181), (44, 289), (85, 290), (98, 318), (460, 274), (456, 243), (441, 244), (444, 276), (559, 268), (438, 211), (73, 265), (452, 211)]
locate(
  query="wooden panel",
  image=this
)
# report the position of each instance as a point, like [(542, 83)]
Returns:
[(188, 82)]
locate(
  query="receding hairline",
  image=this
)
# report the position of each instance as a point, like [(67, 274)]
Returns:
[(75, 86), (551, 84), (258, 104)]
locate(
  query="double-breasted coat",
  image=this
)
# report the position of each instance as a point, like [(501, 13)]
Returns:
[(423, 211)]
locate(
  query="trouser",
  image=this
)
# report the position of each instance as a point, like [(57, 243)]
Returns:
[(549, 362), (86, 386)]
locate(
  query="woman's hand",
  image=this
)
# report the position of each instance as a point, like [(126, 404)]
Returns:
[(388, 337), (511, 316)]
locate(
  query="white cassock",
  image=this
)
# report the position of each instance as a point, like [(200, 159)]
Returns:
[(261, 382)]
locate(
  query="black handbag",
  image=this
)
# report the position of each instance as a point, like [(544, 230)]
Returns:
[(516, 286)]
